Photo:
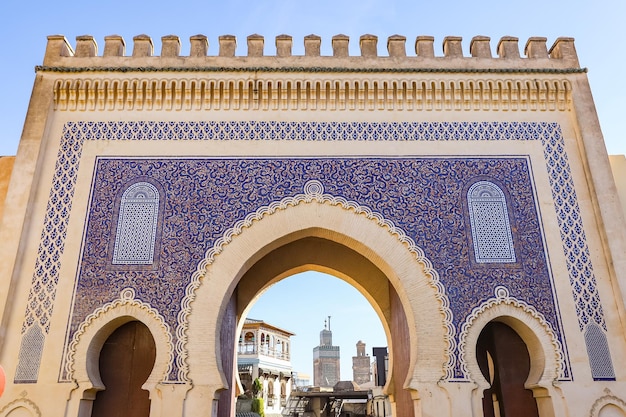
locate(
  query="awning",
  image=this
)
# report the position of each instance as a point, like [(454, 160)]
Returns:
[(244, 369)]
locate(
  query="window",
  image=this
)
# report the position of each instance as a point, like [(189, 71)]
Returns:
[(489, 221), (599, 355), (137, 225)]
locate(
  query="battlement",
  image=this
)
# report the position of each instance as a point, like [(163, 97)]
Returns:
[(561, 55)]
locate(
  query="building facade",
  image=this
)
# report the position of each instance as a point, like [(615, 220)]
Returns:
[(326, 360), (468, 196), (264, 353)]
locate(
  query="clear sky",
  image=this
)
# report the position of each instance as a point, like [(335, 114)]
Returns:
[(302, 303), (598, 27)]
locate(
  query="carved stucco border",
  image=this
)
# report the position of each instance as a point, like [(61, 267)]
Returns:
[(545, 350), (81, 365), (29, 405), (313, 192), (608, 399)]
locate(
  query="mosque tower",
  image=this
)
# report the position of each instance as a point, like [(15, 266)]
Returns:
[(326, 359)]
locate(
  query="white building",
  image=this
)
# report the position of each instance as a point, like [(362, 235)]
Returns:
[(264, 352)]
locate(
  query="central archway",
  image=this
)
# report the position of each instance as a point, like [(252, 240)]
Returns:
[(326, 238), (323, 255)]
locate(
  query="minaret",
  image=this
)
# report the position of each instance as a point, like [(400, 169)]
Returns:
[(361, 365), (326, 359)]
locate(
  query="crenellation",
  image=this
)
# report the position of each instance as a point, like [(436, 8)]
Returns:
[(255, 45), (312, 45), (199, 46), (452, 47), (340, 45), (283, 45), (170, 46), (143, 46), (86, 46), (396, 46), (114, 45), (424, 46), (368, 45), (228, 45), (57, 46), (561, 56), (508, 47), (480, 47), (564, 49), (536, 48)]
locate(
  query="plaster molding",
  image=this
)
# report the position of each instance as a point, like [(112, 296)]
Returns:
[(323, 92), (313, 193), (608, 399), (23, 402), (81, 358), (545, 350)]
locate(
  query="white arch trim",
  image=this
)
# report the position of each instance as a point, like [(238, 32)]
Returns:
[(608, 399), (83, 353), (315, 215), (544, 348), (24, 403)]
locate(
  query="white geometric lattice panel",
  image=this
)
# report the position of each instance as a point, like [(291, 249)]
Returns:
[(137, 225), (489, 220)]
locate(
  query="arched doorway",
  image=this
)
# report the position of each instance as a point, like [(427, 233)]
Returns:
[(319, 254), (320, 309), (126, 361), (504, 361), (361, 248)]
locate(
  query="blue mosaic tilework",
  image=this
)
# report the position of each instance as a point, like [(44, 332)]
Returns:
[(45, 277), (52, 244), (424, 197)]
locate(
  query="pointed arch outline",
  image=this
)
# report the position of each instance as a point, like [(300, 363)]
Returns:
[(547, 361), (25, 403), (313, 192), (499, 308), (81, 365), (608, 399)]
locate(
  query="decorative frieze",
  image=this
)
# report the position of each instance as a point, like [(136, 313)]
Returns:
[(324, 93)]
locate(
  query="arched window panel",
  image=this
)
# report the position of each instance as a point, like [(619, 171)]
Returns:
[(30, 355), (489, 222), (137, 225), (599, 354)]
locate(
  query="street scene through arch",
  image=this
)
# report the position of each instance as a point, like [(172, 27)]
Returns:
[(301, 304)]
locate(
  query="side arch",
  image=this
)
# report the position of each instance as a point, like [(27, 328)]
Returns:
[(82, 359), (21, 407), (544, 348), (608, 405)]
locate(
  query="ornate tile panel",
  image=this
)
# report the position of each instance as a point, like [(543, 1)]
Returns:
[(373, 187), (424, 197)]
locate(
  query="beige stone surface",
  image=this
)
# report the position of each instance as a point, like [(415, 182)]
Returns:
[(540, 85)]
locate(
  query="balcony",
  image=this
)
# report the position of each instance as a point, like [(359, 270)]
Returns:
[(253, 349)]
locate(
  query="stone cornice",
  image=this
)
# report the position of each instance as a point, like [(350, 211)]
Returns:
[(123, 69)]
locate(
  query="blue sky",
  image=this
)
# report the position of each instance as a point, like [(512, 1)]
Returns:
[(597, 26), (302, 303)]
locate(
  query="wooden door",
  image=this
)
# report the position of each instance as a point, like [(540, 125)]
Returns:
[(126, 361), (504, 361)]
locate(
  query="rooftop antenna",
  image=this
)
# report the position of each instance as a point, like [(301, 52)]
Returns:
[(328, 322)]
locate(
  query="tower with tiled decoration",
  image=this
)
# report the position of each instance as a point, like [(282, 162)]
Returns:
[(326, 359), (469, 198)]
